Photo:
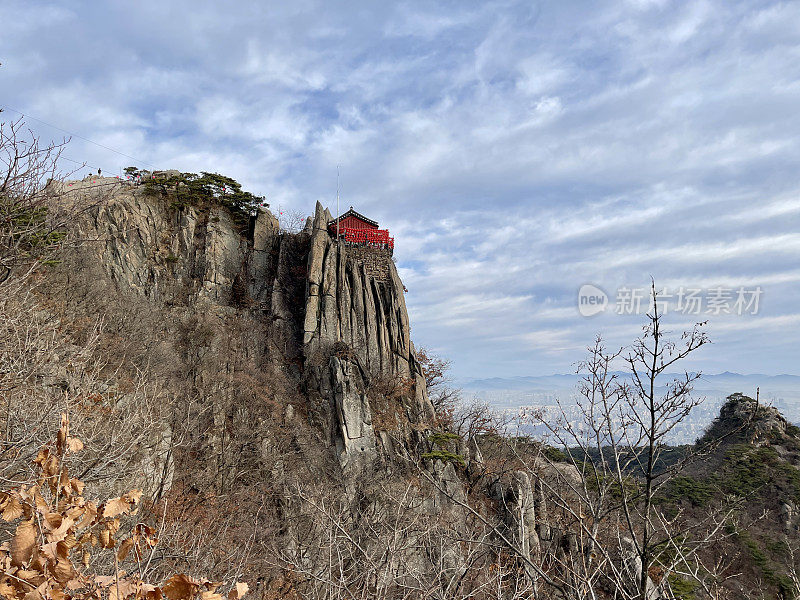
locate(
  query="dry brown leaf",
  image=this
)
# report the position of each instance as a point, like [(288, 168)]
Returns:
[(89, 515), (63, 481), (63, 571), (121, 589), (50, 550), (38, 562), (50, 466), (77, 486), (33, 595), (53, 520), (62, 549), (85, 559), (41, 456), (124, 548), (7, 590), (104, 580), (239, 590), (12, 509), (106, 541), (210, 596), (116, 506), (134, 496), (56, 594), (113, 525), (31, 496), (151, 592), (67, 544), (41, 503), (23, 543), (181, 587), (74, 444), (61, 438), (61, 531), (28, 574), (144, 533)]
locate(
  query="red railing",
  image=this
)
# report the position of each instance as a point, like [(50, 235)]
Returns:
[(367, 237)]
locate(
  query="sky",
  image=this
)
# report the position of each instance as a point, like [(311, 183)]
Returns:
[(517, 151)]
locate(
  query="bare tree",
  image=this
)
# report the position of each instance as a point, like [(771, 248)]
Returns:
[(389, 546), (616, 440), (292, 221), (30, 228), (602, 487), (438, 381), (465, 418), (53, 363)]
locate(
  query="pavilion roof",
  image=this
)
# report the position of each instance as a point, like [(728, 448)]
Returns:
[(353, 213)]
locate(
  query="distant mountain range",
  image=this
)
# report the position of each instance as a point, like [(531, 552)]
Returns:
[(722, 383), (510, 394)]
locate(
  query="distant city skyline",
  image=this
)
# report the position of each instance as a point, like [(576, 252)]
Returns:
[(517, 151)]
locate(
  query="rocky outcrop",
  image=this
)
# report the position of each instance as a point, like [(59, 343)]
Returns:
[(291, 360), (356, 322), (515, 497), (335, 315), (744, 420), (349, 304), (632, 566), (173, 254), (353, 436)]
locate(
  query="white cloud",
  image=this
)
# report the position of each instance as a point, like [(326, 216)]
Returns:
[(515, 151)]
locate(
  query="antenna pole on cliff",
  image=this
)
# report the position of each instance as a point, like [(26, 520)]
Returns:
[(338, 260), (337, 204)]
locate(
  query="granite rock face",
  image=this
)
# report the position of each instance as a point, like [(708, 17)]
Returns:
[(336, 313), (345, 303), (356, 437), (161, 252), (356, 322), (515, 496)]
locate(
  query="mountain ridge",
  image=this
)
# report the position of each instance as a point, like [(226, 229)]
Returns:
[(536, 382)]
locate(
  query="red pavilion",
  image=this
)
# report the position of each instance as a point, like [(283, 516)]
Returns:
[(356, 229)]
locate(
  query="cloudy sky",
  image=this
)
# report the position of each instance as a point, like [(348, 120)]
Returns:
[(517, 150)]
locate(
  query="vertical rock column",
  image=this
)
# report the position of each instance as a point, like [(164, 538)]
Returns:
[(365, 310)]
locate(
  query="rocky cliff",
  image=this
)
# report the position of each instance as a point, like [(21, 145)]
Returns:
[(356, 334), (281, 388), (332, 317)]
